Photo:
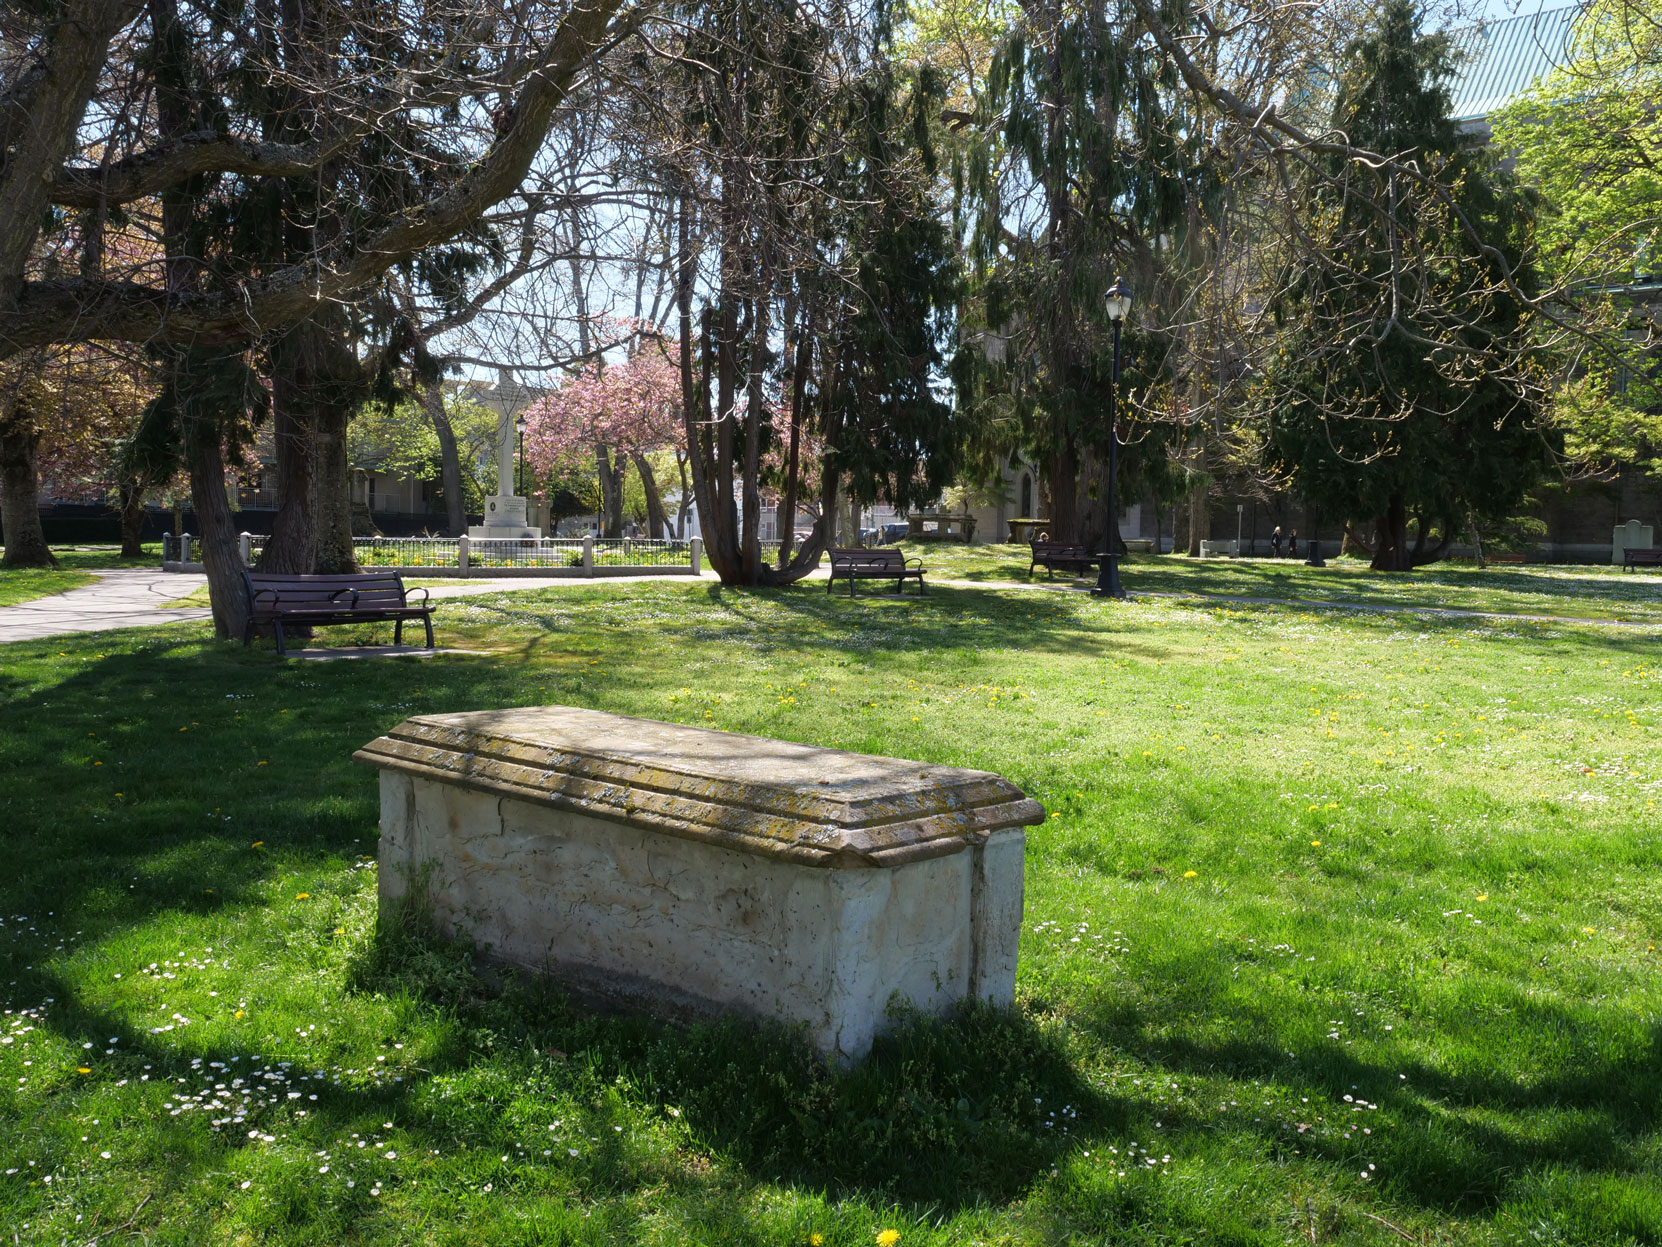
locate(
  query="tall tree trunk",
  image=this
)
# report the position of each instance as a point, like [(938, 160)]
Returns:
[(656, 521), (1200, 516), (20, 499), (1391, 553), (686, 494), (450, 459), (132, 519), (1062, 481), (786, 518), (221, 556), (754, 409), (610, 475), (292, 548), (694, 395), (332, 492)]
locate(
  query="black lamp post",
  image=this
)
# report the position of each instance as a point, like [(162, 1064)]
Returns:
[(1108, 584), (519, 425)]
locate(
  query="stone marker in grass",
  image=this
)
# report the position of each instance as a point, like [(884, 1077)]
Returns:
[(689, 872)]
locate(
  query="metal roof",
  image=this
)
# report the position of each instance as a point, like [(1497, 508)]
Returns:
[(1502, 59)]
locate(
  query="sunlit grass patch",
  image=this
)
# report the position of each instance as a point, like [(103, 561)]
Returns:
[(1336, 920)]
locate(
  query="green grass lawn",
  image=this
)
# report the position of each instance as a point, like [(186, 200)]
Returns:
[(1566, 590), (1342, 929), (25, 584)]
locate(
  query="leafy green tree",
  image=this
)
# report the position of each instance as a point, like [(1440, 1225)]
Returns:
[(1084, 162), (1589, 137), (400, 440), (1377, 416)]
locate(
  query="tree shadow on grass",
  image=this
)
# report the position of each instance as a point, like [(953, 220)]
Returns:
[(1453, 1142), (947, 1113)]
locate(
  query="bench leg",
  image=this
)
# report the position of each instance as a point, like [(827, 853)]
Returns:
[(398, 632), (248, 632), (428, 620), (281, 651), (851, 586)]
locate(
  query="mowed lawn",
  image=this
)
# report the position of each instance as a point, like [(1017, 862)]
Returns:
[(1342, 928), (1561, 590)]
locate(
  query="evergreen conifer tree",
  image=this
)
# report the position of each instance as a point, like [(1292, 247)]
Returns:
[(1376, 414)]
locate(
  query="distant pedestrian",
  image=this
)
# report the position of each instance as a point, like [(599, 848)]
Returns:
[(1292, 544), (1275, 543)]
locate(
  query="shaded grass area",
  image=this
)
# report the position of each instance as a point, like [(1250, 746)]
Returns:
[(1337, 922), (1577, 591)]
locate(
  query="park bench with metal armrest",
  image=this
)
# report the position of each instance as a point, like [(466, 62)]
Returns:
[(1642, 556), (1068, 555), (315, 601), (852, 565)]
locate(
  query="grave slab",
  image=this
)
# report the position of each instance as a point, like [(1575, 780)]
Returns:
[(690, 872)]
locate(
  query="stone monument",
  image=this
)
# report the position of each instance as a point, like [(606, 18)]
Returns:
[(691, 872), (505, 515), (1630, 536)]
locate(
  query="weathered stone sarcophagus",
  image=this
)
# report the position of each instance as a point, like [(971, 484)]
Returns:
[(688, 872)]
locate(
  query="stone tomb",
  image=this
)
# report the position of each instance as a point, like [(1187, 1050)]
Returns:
[(690, 872)]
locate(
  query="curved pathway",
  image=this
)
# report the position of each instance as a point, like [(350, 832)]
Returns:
[(123, 597)]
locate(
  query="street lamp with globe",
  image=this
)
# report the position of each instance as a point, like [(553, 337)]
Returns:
[(1118, 300)]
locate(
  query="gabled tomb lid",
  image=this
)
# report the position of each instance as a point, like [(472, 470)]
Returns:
[(826, 807)]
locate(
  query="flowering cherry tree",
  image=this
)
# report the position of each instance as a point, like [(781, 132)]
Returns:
[(622, 411)]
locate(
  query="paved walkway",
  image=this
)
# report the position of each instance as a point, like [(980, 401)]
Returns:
[(133, 597), (126, 597)]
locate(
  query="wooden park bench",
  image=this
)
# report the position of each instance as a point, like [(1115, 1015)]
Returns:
[(313, 601), (1642, 556), (852, 565), (1068, 555)]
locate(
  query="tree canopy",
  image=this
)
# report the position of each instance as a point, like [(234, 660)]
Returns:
[(1375, 417)]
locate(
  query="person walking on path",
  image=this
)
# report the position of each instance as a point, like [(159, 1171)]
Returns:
[(1275, 543)]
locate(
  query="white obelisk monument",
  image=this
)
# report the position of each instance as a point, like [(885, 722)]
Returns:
[(505, 515)]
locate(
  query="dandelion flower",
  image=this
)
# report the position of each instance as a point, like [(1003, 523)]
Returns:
[(302, 896), (1190, 874), (1315, 844), (887, 1238)]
